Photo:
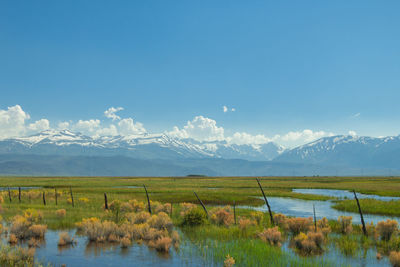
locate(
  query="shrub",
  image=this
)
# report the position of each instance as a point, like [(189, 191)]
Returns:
[(394, 258), (65, 239), (137, 205), (387, 228), (175, 239), (345, 224), (33, 216), (194, 216), (317, 238), (33, 243), (126, 207), (245, 223), (161, 221), (222, 216), (281, 221), (186, 207), (297, 225), (13, 239), (229, 261), (83, 200), (37, 231), (141, 217), (257, 216), (162, 244), (271, 235), (323, 226), (61, 213), (310, 243), (125, 242), (16, 256)]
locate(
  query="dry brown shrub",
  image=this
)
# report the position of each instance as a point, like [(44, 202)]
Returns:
[(317, 238), (271, 235), (386, 229), (222, 216), (323, 226), (345, 224), (138, 231), (141, 217), (154, 234), (245, 223), (126, 207), (61, 213), (37, 231), (176, 240), (162, 244), (379, 256), (229, 261), (161, 221), (12, 239), (125, 242), (281, 221), (65, 239), (137, 205), (394, 258), (310, 243), (186, 207), (113, 238), (297, 225), (33, 243)]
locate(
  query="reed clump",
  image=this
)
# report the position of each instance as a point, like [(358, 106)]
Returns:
[(61, 213), (346, 226), (229, 261), (310, 243), (386, 229)]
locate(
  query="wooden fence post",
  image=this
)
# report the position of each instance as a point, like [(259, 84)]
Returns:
[(19, 194), (234, 210), (105, 201), (44, 198), (361, 215), (9, 194), (266, 202), (201, 203), (72, 196), (315, 218), (55, 194), (148, 199)]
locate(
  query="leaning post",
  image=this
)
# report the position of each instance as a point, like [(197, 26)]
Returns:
[(361, 215), (72, 196), (19, 194), (266, 202), (148, 199), (105, 201), (315, 218), (201, 203)]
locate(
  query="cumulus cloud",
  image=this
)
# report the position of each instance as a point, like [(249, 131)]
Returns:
[(128, 127), (110, 113), (200, 129), (63, 125), (247, 139), (39, 125), (300, 137), (87, 126), (352, 133), (12, 121)]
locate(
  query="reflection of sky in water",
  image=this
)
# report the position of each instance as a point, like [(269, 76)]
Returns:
[(85, 254), (304, 208), (22, 188), (341, 194)]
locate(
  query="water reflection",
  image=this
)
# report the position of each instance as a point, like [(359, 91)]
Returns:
[(341, 194)]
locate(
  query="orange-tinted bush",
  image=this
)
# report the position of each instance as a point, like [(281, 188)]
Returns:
[(387, 228), (271, 235)]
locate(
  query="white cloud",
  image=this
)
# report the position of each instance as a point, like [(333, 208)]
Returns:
[(89, 127), (63, 125), (110, 113), (226, 109), (200, 129), (247, 139), (128, 127), (12, 121), (356, 115), (352, 133), (300, 137), (39, 125)]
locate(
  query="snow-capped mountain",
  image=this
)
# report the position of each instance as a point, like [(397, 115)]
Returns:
[(347, 150), (146, 146)]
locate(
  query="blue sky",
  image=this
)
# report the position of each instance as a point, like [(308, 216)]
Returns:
[(285, 66)]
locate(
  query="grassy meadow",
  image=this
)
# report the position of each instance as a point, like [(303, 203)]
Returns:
[(248, 240)]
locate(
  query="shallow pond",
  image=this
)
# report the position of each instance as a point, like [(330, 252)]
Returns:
[(90, 254), (341, 194), (22, 188)]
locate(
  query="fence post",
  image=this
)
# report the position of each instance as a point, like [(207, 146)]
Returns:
[(201, 203), (148, 199), (19, 194), (361, 215), (9, 194), (44, 198), (72, 196), (105, 201), (266, 202), (315, 218), (55, 194), (234, 210)]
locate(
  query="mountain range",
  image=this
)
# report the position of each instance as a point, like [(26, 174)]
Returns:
[(67, 153)]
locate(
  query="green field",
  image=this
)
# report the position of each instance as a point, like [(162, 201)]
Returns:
[(214, 241)]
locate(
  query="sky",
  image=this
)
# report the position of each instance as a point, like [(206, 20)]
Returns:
[(241, 71)]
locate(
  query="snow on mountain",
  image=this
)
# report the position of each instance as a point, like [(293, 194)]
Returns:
[(360, 151), (146, 146)]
